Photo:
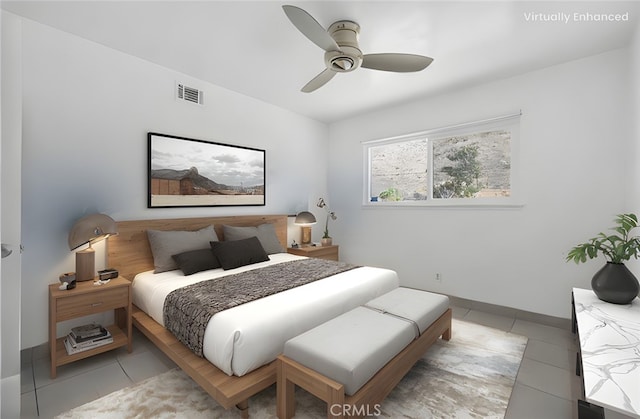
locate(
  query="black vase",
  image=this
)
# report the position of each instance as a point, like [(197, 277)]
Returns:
[(615, 283)]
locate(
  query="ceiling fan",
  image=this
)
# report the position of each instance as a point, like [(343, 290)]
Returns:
[(342, 53)]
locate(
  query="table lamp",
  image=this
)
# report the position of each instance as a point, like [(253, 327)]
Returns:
[(305, 219), (89, 229)]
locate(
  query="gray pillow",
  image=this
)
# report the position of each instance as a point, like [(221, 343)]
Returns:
[(266, 234), (165, 244)]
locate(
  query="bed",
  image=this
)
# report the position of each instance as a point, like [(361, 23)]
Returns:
[(233, 370)]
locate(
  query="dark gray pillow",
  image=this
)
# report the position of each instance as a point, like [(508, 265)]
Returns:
[(196, 261), (234, 254), (165, 244), (266, 233)]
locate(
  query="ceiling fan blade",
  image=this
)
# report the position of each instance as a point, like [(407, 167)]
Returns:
[(401, 63), (318, 81), (310, 28)]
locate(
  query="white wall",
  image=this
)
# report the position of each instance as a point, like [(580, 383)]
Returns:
[(10, 284), (575, 132), (87, 110), (633, 190), (633, 156)]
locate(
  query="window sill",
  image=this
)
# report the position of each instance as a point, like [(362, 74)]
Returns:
[(476, 204)]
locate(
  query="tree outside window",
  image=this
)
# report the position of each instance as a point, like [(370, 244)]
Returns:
[(471, 166)]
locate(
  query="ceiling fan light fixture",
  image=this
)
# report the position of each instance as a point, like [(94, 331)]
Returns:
[(343, 61), (342, 53), (342, 64)]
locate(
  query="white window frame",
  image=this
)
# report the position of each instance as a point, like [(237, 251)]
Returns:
[(508, 122)]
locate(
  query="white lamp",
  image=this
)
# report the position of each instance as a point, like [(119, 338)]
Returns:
[(89, 229)]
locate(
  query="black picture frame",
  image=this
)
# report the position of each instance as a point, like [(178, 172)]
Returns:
[(187, 172)]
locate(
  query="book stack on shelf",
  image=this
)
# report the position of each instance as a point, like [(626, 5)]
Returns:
[(88, 336)]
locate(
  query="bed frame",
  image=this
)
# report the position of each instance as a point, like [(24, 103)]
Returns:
[(129, 252)]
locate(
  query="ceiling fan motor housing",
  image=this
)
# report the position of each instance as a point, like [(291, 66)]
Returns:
[(349, 57)]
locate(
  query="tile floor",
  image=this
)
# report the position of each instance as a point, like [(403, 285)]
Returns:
[(546, 386)]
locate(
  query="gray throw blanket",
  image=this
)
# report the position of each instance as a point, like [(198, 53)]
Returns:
[(187, 310)]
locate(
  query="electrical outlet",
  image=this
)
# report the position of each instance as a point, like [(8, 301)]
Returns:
[(438, 277)]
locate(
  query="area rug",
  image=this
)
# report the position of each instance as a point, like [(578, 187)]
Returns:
[(471, 376)]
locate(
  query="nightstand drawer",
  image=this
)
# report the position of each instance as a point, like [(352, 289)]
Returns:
[(91, 303), (325, 252), (320, 252)]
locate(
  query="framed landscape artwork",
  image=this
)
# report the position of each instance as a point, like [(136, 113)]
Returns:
[(185, 172)]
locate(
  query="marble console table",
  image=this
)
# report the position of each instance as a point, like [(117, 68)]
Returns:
[(609, 351)]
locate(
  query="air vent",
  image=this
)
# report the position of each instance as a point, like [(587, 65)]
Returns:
[(189, 94)]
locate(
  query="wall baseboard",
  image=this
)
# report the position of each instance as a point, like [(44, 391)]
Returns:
[(515, 313)]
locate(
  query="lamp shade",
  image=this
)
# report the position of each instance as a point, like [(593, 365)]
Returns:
[(305, 218), (90, 229)]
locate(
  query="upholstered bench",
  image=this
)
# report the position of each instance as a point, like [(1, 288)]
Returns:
[(353, 361)]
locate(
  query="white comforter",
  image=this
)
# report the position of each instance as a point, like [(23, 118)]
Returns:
[(243, 338)]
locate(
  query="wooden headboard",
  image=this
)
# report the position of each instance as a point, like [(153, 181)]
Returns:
[(129, 251)]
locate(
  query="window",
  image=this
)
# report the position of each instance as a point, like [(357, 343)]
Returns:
[(468, 164)]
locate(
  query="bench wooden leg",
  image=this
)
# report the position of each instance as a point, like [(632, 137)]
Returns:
[(285, 392), (291, 374), (335, 404), (447, 334)]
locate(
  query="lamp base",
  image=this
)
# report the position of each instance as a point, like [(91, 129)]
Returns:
[(306, 236), (85, 265)]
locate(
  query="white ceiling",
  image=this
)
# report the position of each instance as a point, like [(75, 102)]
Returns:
[(252, 48)]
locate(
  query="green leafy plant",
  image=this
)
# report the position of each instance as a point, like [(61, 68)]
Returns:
[(616, 248), (391, 194)]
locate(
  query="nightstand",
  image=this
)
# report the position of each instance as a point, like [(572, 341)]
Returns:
[(320, 252), (83, 300)]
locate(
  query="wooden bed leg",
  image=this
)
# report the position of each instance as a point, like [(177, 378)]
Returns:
[(243, 407)]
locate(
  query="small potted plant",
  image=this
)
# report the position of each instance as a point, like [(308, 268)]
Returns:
[(326, 238), (614, 282)]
